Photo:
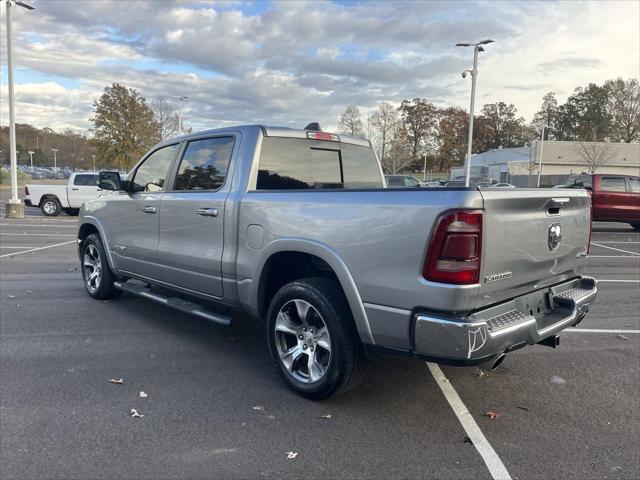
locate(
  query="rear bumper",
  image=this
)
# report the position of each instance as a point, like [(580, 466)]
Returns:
[(27, 202), (524, 320)]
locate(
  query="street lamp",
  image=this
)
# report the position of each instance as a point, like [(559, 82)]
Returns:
[(55, 159), (180, 99), (541, 147), (94, 162), (15, 208), (477, 47), (31, 152)]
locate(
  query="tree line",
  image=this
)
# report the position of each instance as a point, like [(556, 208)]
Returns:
[(417, 131), (125, 125)]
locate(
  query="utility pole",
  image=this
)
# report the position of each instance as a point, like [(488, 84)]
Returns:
[(180, 99), (540, 160), (94, 162), (55, 160), (477, 48), (14, 208), (30, 152)]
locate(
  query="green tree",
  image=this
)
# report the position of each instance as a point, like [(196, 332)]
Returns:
[(420, 118), (547, 115), (589, 117), (124, 127), (624, 109), (453, 128)]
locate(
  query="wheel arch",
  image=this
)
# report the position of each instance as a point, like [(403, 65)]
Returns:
[(92, 225), (310, 259)]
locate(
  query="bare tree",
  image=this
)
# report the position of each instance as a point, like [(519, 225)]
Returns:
[(166, 117), (350, 122), (383, 122), (594, 154), (399, 151)]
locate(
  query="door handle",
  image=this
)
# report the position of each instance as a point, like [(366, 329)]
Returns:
[(148, 209), (74, 189), (207, 212)]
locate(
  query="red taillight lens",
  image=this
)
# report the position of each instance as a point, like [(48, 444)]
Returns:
[(590, 228), (455, 249)]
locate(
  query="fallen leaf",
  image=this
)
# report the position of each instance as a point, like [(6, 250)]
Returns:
[(259, 408), (291, 455), (11, 296), (135, 414), (492, 415), (119, 381), (482, 373), (326, 416), (467, 440), (523, 408), (143, 395), (622, 337)]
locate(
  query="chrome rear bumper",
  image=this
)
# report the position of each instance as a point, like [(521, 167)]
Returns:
[(527, 319)]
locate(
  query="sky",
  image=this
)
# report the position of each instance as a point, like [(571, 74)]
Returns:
[(290, 63)]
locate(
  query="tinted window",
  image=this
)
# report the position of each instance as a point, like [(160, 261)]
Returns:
[(290, 163), (151, 175), (410, 182), (395, 182), (634, 185), (586, 180), (613, 184), (204, 164), (86, 180)]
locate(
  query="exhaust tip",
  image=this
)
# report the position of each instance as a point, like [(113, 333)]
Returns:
[(498, 361)]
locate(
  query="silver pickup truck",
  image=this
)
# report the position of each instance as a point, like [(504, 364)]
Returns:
[(298, 228)]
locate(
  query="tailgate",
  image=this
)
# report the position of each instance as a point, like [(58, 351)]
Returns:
[(521, 248)]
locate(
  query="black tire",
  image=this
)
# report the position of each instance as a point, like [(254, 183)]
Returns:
[(72, 212), (346, 363), (635, 225), (50, 206), (102, 289)]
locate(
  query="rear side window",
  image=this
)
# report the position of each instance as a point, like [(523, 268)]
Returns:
[(86, 180), (293, 163), (634, 185), (613, 184), (204, 164)]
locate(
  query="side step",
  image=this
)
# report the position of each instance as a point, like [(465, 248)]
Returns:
[(177, 303)]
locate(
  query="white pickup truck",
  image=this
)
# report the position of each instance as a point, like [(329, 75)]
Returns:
[(54, 199)]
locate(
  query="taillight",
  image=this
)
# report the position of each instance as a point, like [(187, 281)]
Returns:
[(455, 249), (590, 227), (26, 190), (323, 136)]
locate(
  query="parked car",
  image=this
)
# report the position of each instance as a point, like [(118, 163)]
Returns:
[(403, 181), (54, 199), (614, 198), (296, 228)]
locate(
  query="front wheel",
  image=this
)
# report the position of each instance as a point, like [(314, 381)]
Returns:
[(313, 340), (97, 276)]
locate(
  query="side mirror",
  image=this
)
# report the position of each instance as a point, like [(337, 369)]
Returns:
[(579, 184), (109, 181)]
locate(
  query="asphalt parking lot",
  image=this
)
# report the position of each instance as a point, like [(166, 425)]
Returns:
[(216, 407)]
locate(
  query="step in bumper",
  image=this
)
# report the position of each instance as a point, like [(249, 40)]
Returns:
[(524, 320)]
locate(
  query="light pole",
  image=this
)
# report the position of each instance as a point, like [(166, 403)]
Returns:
[(30, 152), (477, 47), (540, 160), (180, 99), (94, 162), (15, 208), (55, 159)]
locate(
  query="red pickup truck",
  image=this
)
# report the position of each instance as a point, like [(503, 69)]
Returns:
[(614, 198)]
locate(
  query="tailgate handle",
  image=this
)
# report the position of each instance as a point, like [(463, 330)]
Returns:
[(555, 204)]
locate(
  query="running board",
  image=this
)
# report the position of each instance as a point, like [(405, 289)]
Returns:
[(174, 302)]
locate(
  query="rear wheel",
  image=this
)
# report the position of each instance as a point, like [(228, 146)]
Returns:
[(313, 340), (635, 225), (50, 206), (98, 277)]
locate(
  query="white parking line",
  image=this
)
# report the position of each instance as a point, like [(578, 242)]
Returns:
[(599, 330), (615, 242), (36, 249), (616, 249), (613, 256), (36, 235), (55, 225), (486, 451)]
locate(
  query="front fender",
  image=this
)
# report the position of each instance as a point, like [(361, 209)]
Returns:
[(95, 222), (334, 260)]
